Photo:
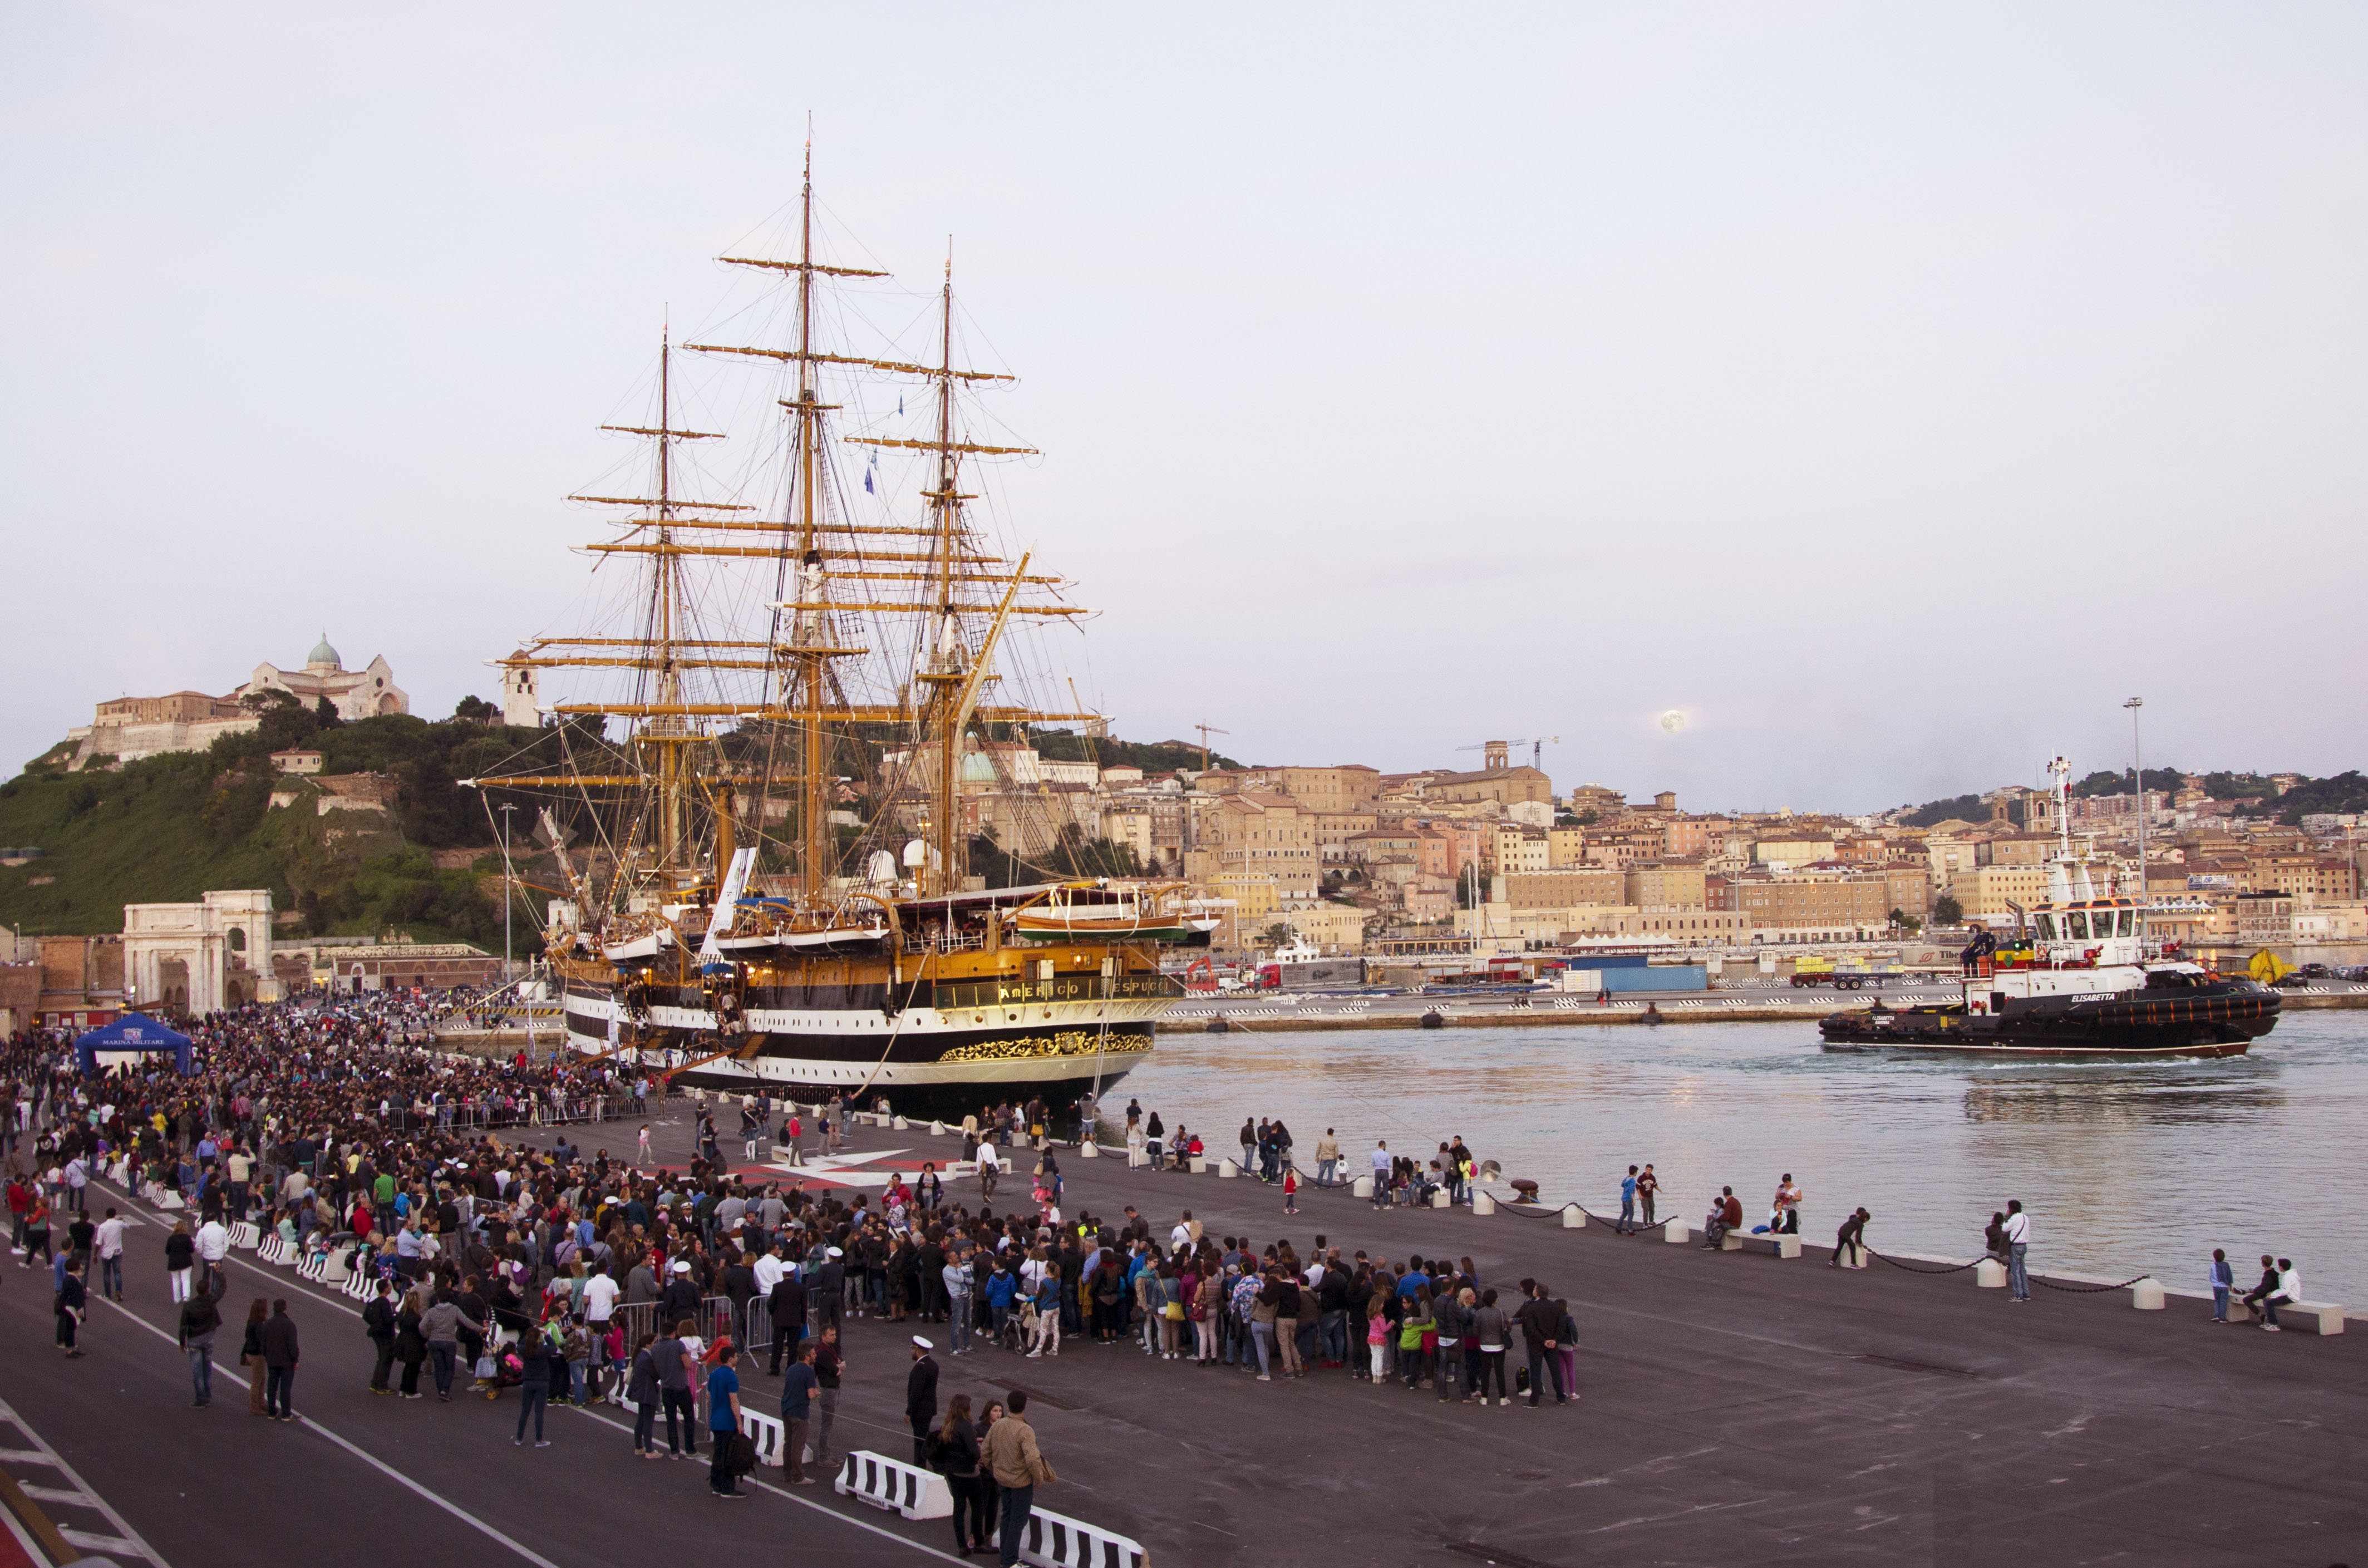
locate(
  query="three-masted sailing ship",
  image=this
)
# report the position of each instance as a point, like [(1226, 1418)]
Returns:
[(732, 922)]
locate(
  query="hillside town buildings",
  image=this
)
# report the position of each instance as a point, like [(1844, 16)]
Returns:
[(1350, 859), (126, 729)]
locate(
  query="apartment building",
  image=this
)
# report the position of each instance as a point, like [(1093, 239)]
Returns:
[(1564, 889), (1521, 849), (1664, 884), (1985, 893), (1347, 790), (1267, 835), (1810, 906)]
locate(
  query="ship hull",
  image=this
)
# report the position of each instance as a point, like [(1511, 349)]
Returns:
[(807, 1042), (2222, 1021)]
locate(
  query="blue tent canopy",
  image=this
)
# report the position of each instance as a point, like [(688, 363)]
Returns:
[(132, 1031)]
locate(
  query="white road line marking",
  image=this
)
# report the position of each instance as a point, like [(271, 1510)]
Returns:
[(362, 1454), (55, 1494), (784, 1492), (621, 1426), (132, 1540), (90, 1542), (25, 1456)]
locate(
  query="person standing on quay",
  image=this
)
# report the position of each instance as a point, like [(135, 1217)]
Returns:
[(279, 1357), (797, 1411), (1019, 1467), (921, 1398), (1647, 1186), (2223, 1279), (1627, 1225), (1381, 1163), (722, 1424), (1541, 1321), (2018, 1249)]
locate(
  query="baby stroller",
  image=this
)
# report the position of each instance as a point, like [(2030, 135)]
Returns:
[(1018, 1325), (509, 1370)]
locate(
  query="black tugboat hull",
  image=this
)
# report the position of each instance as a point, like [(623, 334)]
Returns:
[(2220, 1021)]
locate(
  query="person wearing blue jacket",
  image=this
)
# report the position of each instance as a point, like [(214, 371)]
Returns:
[(2223, 1279), (1000, 1286)]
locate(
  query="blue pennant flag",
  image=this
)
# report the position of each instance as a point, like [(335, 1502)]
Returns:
[(867, 483), (900, 405)]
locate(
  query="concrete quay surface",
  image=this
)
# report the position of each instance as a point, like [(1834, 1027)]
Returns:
[(1736, 1408)]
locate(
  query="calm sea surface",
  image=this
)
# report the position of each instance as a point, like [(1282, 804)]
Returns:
[(2126, 1168)]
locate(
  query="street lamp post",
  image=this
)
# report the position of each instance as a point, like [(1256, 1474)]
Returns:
[(2137, 758)]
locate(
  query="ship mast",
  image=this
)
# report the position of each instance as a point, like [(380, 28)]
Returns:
[(666, 730), (815, 862), (812, 553), (942, 668)]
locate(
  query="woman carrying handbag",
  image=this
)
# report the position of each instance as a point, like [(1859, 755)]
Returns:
[(250, 1356)]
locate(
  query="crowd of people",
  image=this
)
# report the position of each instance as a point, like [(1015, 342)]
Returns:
[(501, 1256)]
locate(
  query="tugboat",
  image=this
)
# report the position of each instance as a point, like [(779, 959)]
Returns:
[(2083, 979)]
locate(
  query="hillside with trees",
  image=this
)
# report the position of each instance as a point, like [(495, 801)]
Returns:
[(167, 828)]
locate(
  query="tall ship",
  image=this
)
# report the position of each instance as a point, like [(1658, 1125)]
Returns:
[(2080, 975), (814, 709)]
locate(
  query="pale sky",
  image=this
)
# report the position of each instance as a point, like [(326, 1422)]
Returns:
[(1894, 390)]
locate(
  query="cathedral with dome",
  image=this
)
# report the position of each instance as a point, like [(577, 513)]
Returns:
[(128, 728), (354, 694)]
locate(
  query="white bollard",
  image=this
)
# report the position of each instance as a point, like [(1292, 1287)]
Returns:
[(1677, 1232), (1089, 1151), (1228, 1168), (1482, 1204), (2147, 1295), (900, 1124), (1573, 1218), (936, 1129), (1360, 1187), (1990, 1274)]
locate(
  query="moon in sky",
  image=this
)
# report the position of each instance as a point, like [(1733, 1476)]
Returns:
[(1673, 721)]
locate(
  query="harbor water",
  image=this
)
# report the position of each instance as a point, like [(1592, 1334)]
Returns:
[(2126, 1167)]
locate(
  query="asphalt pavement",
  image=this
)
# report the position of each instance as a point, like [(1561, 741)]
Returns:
[(363, 1480), (1735, 1409)]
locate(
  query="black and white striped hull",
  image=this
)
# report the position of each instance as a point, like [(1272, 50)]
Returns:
[(927, 1061)]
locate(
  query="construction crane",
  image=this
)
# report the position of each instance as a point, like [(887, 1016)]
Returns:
[(1537, 744), (1206, 730)]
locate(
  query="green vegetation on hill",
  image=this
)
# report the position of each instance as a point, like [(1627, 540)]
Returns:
[(1963, 808), (2344, 792), (1164, 757), (2106, 782), (164, 829)]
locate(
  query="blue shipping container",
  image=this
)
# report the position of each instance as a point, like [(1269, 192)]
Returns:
[(1674, 977)]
